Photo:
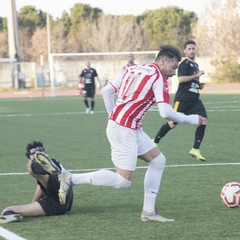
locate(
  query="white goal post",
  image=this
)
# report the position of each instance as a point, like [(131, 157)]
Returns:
[(107, 64)]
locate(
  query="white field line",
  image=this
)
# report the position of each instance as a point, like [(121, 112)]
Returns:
[(9, 235), (140, 167)]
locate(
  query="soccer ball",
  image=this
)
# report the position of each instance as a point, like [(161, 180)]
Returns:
[(230, 194)]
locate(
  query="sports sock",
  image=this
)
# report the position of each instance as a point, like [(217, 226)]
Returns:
[(162, 132), (92, 104), (86, 103), (199, 134), (102, 177), (152, 182)]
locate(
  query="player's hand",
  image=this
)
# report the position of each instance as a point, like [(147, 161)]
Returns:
[(200, 73), (202, 121), (202, 85)]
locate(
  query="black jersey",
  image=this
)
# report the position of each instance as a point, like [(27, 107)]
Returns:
[(89, 74), (188, 91), (53, 184)]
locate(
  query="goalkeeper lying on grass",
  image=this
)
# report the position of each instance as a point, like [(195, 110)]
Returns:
[(45, 200)]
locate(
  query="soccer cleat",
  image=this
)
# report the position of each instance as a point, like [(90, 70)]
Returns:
[(197, 154), (47, 164), (91, 112), (154, 217), (154, 142), (10, 216), (65, 179), (87, 110)]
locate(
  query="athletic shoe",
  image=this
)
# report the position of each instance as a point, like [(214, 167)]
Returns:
[(154, 217), (197, 154), (91, 112), (87, 110), (65, 179), (46, 162), (10, 216)]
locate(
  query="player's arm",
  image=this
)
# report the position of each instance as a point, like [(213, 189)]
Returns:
[(108, 93), (37, 194), (99, 82), (183, 79), (167, 112)]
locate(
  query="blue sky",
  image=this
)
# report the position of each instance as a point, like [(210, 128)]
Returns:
[(135, 7)]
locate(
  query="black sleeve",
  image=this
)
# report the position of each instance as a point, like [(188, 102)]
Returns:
[(183, 69)]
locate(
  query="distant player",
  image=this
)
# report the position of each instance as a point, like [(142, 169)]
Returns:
[(187, 98), (87, 79), (130, 63)]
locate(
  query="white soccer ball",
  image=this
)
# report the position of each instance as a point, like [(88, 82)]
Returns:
[(230, 194)]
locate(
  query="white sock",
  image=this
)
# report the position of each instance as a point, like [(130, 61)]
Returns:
[(152, 182), (102, 177)]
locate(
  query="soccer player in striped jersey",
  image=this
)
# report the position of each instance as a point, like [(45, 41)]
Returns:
[(138, 88)]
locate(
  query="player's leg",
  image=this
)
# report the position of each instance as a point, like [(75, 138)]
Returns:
[(92, 100), (85, 99), (156, 160), (165, 128), (17, 212), (199, 108), (124, 168)]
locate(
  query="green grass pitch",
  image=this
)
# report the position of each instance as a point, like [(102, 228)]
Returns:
[(190, 190)]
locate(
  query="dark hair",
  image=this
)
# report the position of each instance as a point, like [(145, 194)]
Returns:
[(33, 147), (170, 52), (189, 42)]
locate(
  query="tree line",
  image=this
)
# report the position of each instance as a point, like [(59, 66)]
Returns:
[(89, 29)]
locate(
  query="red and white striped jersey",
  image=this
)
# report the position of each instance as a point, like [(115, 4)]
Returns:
[(138, 89)]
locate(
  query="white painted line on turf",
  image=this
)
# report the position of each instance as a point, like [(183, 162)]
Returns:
[(140, 167), (9, 235), (47, 114), (167, 166)]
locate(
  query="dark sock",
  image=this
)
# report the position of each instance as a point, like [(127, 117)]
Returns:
[(9, 212), (92, 105), (162, 132), (86, 103), (199, 134)]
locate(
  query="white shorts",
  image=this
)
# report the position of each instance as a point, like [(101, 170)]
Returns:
[(127, 144)]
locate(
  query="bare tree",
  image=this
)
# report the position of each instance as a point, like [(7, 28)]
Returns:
[(218, 33), (3, 45)]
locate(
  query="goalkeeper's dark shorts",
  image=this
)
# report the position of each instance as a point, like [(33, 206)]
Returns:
[(188, 108), (89, 91)]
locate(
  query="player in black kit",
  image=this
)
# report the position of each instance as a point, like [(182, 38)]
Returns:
[(87, 79), (45, 201), (187, 98)]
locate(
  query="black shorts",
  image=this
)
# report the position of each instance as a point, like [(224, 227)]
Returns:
[(89, 92), (188, 108), (49, 200), (52, 207)]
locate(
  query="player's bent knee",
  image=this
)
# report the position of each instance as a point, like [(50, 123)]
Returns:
[(158, 162), (122, 182)]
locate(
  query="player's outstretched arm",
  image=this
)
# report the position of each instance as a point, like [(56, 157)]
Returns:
[(167, 112)]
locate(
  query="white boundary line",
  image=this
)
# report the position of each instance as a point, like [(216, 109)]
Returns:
[(141, 167), (9, 235)]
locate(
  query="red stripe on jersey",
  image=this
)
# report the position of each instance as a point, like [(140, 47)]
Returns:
[(136, 95)]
